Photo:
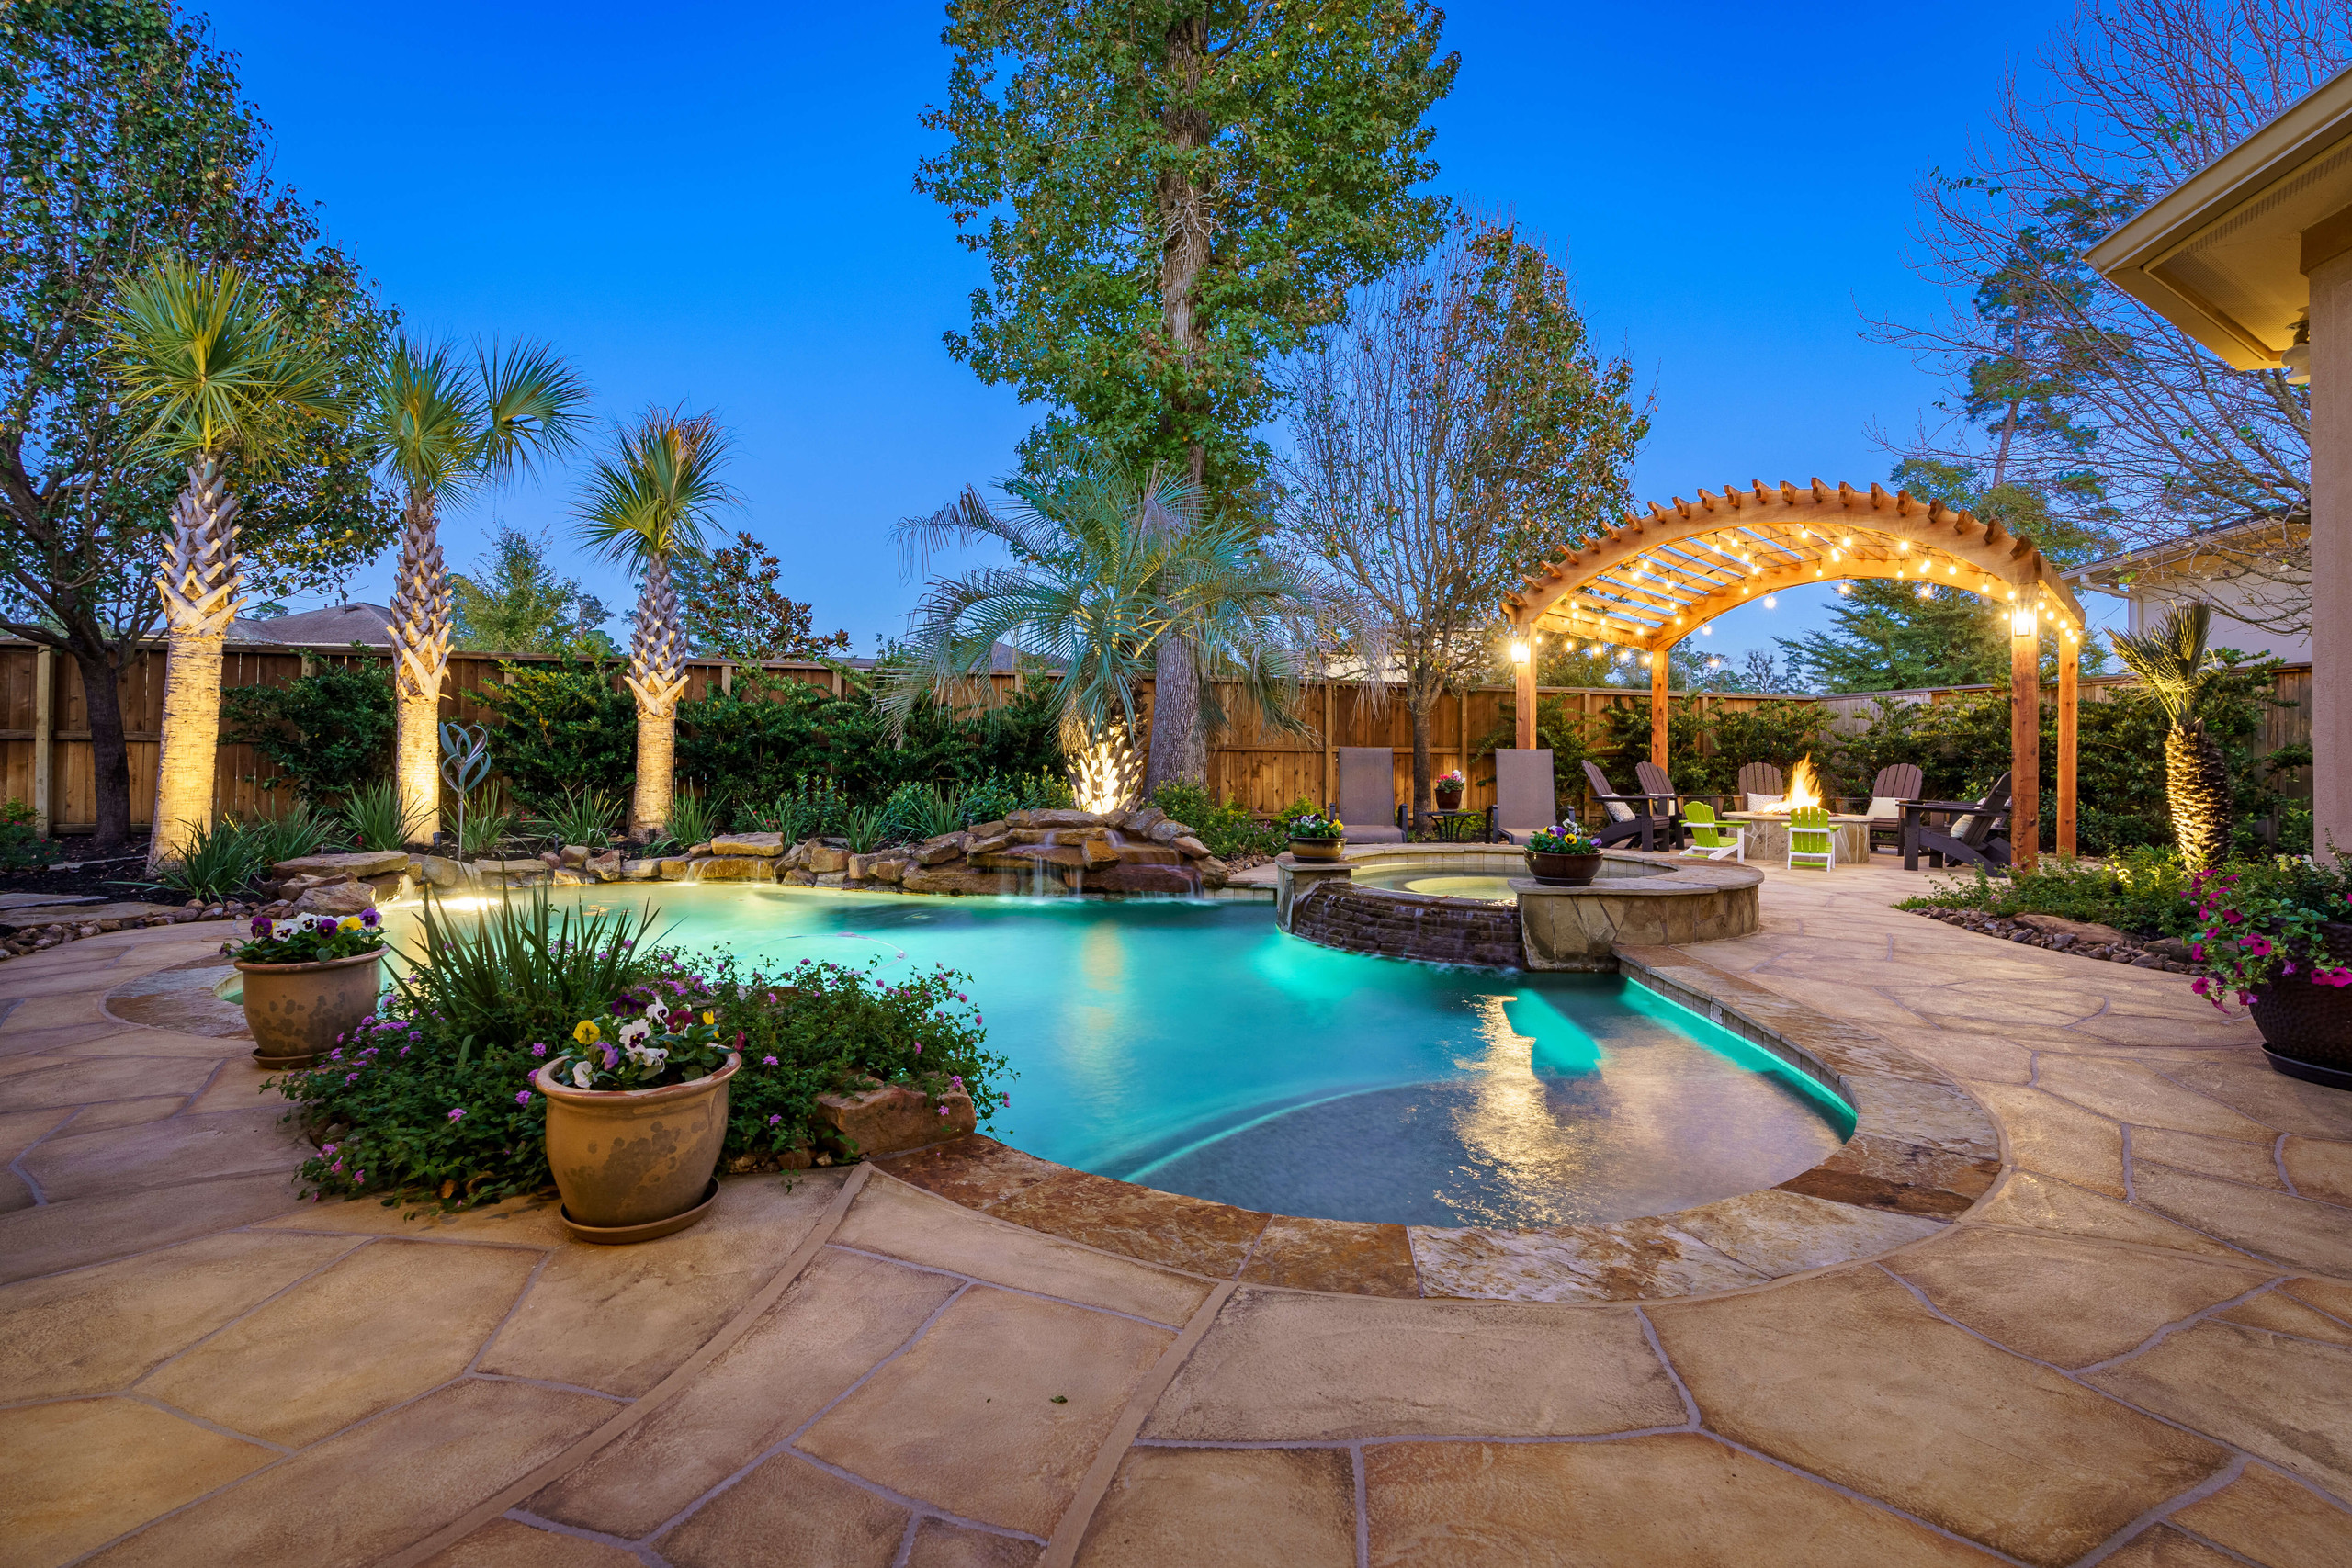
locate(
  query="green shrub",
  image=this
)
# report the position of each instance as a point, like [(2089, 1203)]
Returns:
[(561, 727), (330, 732), (1228, 829), (582, 817), (217, 862), (21, 844), (374, 816), (2146, 892)]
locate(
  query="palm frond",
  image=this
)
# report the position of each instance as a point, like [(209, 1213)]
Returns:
[(423, 418), (535, 403), (2171, 658), (215, 362), (655, 492)]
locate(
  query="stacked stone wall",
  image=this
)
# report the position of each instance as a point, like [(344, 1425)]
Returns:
[(1405, 925)]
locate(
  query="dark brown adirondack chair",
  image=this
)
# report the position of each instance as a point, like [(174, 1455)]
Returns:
[(1976, 834), (1893, 786), (1664, 802), (1629, 815), (1758, 778)]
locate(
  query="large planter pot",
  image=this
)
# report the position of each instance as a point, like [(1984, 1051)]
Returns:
[(2307, 1029), (1563, 871), (1322, 850), (1447, 799), (634, 1164), (298, 1011)]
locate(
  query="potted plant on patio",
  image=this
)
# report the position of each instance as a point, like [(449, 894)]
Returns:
[(1562, 856), (636, 1114), (1447, 788), (308, 982), (1317, 836), (2279, 939)]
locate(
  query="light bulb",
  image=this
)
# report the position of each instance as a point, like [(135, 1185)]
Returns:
[(1520, 652), (1769, 602)]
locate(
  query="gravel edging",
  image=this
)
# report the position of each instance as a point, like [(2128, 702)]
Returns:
[(2139, 952)]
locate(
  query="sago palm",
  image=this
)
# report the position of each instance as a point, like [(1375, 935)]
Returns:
[(2174, 662), (1107, 568), (443, 430), (648, 502), (222, 375)]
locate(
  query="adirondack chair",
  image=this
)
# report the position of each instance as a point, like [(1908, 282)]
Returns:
[(1893, 786), (1811, 839), (1759, 779), (1526, 796), (1711, 839), (1629, 815), (1664, 801), (1367, 804), (1977, 836)]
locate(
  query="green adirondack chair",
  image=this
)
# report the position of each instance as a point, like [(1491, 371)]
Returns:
[(1811, 839), (1711, 839)]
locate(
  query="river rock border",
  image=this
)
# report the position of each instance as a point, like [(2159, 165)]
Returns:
[(1923, 1152)]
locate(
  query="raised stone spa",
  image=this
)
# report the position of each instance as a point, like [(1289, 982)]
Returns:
[(1408, 901)]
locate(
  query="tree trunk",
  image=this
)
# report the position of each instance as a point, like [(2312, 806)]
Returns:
[(1179, 753), (110, 753), (191, 744), (656, 677), (1422, 690), (198, 583), (419, 634)]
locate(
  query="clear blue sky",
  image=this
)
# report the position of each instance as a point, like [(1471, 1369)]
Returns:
[(714, 204)]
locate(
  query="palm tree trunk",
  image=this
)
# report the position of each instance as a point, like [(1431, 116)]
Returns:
[(2197, 788), (656, 677), (1179, 753), (199, 582), (420, 663)]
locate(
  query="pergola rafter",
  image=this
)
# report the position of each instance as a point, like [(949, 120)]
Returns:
[(1655, 579)]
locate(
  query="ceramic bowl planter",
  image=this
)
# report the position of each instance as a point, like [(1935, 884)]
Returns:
[(2307, 1029), (1320, 852), (635, 1163), (298, 1011), (1447, 799), (1563, 871)]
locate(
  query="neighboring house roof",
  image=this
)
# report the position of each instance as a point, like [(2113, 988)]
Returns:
[(2225, 551), (337, 624)]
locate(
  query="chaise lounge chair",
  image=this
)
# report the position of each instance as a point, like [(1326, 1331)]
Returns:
[(1976, 836), (1629, 821), (1526, 796), (1367, 803)]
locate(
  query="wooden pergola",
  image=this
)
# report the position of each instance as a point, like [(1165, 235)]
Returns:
[(1653, 580)]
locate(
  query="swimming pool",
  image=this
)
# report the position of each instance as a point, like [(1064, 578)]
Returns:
[(1193, 1047)]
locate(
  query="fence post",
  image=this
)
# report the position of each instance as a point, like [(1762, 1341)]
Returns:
[(44, 733)]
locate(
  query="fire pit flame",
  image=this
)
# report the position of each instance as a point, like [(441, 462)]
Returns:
[(1805, 788)]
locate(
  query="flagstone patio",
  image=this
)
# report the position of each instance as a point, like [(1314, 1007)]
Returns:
[(2135, 1349)]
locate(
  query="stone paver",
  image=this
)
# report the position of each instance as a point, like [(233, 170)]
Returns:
[(2117, 1326)]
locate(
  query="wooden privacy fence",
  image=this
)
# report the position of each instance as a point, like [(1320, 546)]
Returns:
[(45, 733)]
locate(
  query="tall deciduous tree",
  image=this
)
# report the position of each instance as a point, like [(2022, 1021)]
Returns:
[(2063, 387), (513, 601), (1456, 428), (443, 431), (735, 607), (122, 135), (1169, 193), (218, 374), (647, 503)]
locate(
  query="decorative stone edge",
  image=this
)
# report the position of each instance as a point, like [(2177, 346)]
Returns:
[(1923, 1153)]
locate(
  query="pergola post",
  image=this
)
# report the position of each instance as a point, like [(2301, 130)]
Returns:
[(1524, 686), (2025, 736), (1658, 668), (2070, 667)]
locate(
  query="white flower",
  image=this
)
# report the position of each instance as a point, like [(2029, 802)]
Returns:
[(636, 1029), (657, 1012), (650, 1057), (582, 1076), (280, 929)]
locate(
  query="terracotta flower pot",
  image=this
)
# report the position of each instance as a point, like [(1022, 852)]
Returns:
[(1563, 871), (2310, 1026), (634, 1164), (298, 1010), (1316, 849)]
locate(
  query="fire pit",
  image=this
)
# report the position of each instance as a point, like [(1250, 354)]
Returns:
[(1768, 829)]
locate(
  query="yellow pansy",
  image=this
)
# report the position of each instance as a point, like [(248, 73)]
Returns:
[(348, 923), (711, 1018), (587, 1033)]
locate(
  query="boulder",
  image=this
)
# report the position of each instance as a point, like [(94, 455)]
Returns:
[(888, 870), (696, 851), (797, 878), (552, 859), (1021, 857), (957, 879), (823, 858), (979, 843), (1167, 832), (795, 859), (735, 868), (937, 851), (394, 885), (606, 867), (1058, 835), (672, 868), (337, 898), (2173, 948), (1054, 816), (511, 872), (361, 863), (639, 870), (1138, 876), (437, 870), (574, 855), (987, 830), (770, 845), (832, 878), (2081, 931), (1214, 871), (1142, 820), (571, 877), (1191, 848), (894, 1118)]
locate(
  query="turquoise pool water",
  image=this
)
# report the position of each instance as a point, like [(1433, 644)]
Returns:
[(1194, 1047), (1444, 884)]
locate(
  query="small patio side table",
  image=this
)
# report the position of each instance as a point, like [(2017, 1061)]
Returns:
[(1448, 830)]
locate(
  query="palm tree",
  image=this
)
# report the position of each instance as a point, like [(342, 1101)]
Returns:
[(441, 431), (2174, 662), (224, 375), (1107, 571), (647, 503)]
